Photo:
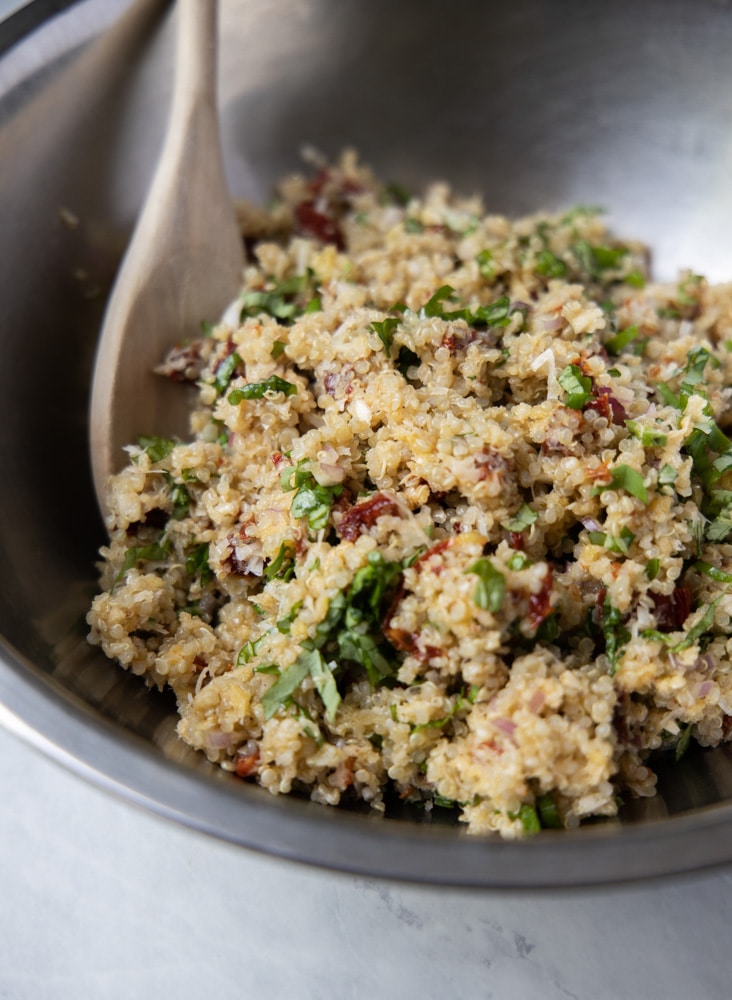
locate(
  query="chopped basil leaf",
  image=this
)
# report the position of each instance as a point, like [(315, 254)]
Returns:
[(281, 301), (497, 314), (311, 499), (529, 818), (667, 476), (384, 329), (550, 266), (155, 552), (257, 390), (413, 226), (157, 448), (197, 563), (284, 624), (283, 565), (635, 279), (616, 635), (628, 479), (713, 572), (703, 625), (248, 651), (523, 519), (668, 396), (652, 568), (485, 265), (648, 436), (225, 371), (595, 259), (620, 341), (518, 561), (324, 681), (577, 386), (442, 802), (718, 530), (548, 812), (491, 589), (286, 684), (615, 543), (314, 502), (683, 744), (278, 348), (440, 723), (397, 193)]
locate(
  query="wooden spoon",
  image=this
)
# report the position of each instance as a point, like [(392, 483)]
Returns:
[(183, 265)]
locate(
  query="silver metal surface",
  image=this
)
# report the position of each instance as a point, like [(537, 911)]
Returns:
[(534, 104)]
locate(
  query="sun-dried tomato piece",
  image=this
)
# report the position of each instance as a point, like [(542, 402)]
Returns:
[(247, 766), (312, 222), (673, 609), (540, 604), (607, 406), (363, 515)]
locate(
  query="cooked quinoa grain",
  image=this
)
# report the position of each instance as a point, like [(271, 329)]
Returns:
[(455, 519)]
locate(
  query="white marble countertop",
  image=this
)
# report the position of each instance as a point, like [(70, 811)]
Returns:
[(101, 900)]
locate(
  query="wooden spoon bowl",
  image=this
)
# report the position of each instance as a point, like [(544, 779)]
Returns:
[(183, 266)]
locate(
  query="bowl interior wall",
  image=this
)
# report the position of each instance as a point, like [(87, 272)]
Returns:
[(533, 105)]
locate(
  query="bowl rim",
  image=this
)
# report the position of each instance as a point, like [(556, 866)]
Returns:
[(73, 734), (36, 707)]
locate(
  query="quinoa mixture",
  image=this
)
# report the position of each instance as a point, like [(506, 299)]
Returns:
[(454, 522)]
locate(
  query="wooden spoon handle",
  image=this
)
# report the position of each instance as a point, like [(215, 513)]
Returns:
[(196, 64)]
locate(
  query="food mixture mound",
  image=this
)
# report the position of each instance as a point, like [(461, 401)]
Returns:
[(454, 522)]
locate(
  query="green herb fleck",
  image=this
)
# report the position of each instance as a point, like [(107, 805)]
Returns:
[(283, 565), (284, 624), (615, 543), (550, 266), (635, 279), (713, 572), (652, 568), (628, 479), (311, 500), (683, 744), (617, 344), (225, 371), (667, 476), (518, 561), (157, 448), (548, 812), (283, 300), (577, 386), (649, 437), (523, 519), (287, 683), (491, 589), (257, 390), (384, 329), (616, 635), (485, 265), (248, 651), (529, 818), (197, 563), (155, 552)]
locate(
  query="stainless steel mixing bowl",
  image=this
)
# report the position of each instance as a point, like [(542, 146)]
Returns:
[(534, 103)]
